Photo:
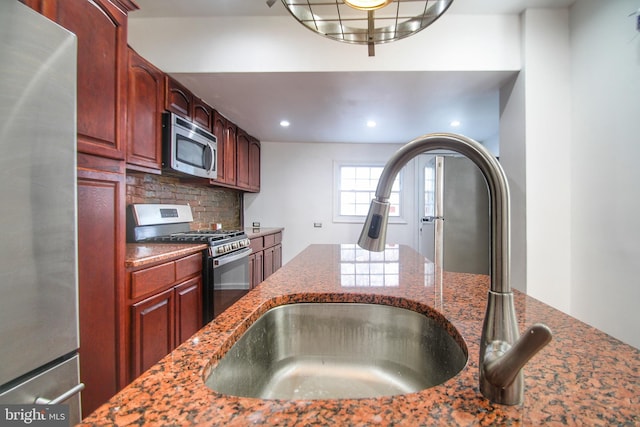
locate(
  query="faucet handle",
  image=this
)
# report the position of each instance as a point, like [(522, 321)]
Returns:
[(502, 364)]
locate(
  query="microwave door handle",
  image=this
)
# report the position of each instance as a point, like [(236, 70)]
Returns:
[(209, 158), (225, 259)]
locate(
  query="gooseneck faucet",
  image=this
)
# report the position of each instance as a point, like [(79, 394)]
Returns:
[(503, 352)]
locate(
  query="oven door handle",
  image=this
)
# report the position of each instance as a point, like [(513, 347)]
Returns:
[(225, 259)]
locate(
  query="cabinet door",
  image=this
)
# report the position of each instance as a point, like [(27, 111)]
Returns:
[(268, 262), (225, 132), (188, 309), (254, 165), (242, 171), (102, 60), (178, 99), (258, 269), (145, 103), (100, 276), (202, 113), (230, 153), (152, 322), (277, 257)]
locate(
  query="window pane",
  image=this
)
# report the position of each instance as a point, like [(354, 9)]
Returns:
[(357, 188)]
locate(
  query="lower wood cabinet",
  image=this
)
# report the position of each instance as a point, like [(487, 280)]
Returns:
[(266, 257), (165, 309)]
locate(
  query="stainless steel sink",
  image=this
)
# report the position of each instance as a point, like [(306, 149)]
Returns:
[(339, 350)]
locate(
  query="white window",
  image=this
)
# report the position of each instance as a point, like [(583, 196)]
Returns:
[(356, 187)]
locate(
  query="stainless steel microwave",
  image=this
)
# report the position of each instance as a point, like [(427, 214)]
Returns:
[(187, 148)]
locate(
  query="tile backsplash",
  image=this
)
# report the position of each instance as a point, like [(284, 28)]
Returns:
[(208, 204)]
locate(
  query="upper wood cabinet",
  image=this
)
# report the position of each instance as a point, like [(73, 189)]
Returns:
[(225, 132), (201, 113), (100, 26), (248, 162), (178, 99), (145, 104)]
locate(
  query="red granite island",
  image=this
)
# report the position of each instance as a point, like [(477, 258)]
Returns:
[(583, 377)]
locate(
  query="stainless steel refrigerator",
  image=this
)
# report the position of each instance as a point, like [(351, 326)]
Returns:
[(38, 262), (454, 228)]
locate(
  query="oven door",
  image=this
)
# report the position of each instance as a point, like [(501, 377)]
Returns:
[(231, 272), (227, 281)]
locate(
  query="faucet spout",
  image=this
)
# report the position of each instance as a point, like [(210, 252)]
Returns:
[(502, 355)]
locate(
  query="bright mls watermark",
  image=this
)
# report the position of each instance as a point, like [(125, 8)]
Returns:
[(34, 415)]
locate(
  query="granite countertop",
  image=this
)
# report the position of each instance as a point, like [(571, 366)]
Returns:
[(263, 231), (583, 377), (143, 254)]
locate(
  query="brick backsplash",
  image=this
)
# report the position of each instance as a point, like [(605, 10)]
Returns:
[(208, 204)]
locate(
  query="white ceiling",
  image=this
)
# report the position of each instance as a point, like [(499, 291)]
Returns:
[(333, 106)]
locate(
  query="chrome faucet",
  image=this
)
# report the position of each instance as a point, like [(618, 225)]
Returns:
[(503, 352)]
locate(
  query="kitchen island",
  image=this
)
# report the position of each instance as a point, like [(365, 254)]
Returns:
[(583, 377)]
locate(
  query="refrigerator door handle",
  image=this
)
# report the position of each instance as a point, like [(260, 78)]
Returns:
[(59, 399)]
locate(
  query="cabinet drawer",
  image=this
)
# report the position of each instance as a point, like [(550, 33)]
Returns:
[(151, 279), (269, 240), (257, 244), (188, 266)]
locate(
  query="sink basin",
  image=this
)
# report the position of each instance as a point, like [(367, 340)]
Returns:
[(339, 350)]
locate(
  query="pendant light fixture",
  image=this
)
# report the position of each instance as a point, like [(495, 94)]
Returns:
[(367, 22), (367, 4)]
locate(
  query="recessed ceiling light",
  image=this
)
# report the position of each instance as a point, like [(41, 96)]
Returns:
[(455, 123), (371, 123), (284, 123)]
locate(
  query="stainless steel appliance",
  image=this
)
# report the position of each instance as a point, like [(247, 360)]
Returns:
[(225, 262), (454, 229), (38, 262), (188, 149)]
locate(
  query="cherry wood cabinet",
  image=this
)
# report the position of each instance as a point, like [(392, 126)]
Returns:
[(101, 28), (101, 232), (272, 260), (165, 309), (225, 132), (145, 104), (248, 162), (201, 113), (152, 329), (178, 99), (188, 309), (256, 268), (266, 257)]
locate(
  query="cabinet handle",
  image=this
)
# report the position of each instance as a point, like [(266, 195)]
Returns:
[(64, 396)]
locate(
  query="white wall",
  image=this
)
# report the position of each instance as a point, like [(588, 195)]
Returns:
[(548, 158), (297, 190), (605, 172), (454, 42), (513, 160)]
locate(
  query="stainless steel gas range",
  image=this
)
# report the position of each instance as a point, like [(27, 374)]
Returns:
[(225, 262)]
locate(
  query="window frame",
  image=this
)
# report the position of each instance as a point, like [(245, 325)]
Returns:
[(360, 219)]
